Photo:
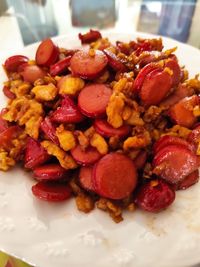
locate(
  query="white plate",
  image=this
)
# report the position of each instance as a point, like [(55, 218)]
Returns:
[(52, 235)]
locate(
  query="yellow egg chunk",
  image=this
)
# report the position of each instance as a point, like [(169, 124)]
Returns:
[(70, 85), (45, 92), (66, 138), (99, 143)]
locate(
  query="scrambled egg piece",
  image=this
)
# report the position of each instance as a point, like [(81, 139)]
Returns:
[(134, 118), (45, 92), (66, 138), (26, 112), (71, 85), (5, 161), (196, 111), (114, 110), (66, 161), (179, 131), (99, 143), (138, 141)]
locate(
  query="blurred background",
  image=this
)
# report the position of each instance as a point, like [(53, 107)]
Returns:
[(28, 21)]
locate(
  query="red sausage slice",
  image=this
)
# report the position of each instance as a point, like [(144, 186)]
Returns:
[(142, 75), (89, 37), (188, 181), (105, 129), (167, 140), (93, 100), (31, 73), (174, 66), (35, 154), (155, 198), (155, 87), (114, 176), (85, 178), (182, 112), (86, 66), (87, 157), (174, 162), (67, 113), (47, 53), (49, 129), (49, 172), (114, 62), (8, 93), (180, 92), (60, 66), (51, 191), (140, 160), (12, 63)]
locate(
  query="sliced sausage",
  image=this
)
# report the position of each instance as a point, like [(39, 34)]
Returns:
[(87, 157), (142, 75), (105, 129), (49, 172), (174, 162), (47, 53), (179, 93), (174, 66), (182, 112), (93, 100), (8, 93), (31, 73), (88, 66), (60, 67), (114, 62), (140, 160), (155, 196), (68, 112), (188, 181), (89, 37), (114, 176), (12, 63), (155, 87), (35, 154), (167, 140), (85, 178), (3, 123), (51, 191), (49, 130)]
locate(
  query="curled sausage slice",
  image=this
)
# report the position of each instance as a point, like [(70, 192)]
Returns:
[(93, 100), (182, 112), (47, 53), (51, 191), (35, 154), (114, 176), (155, 87), (49, 172), (106, 130), (167, 140), (174, 162), (88, 66), (85, 157), (12, 63), (155, 196), (68, 112), (85, 177)]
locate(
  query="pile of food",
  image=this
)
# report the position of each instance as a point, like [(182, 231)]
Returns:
[(114, 125)]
